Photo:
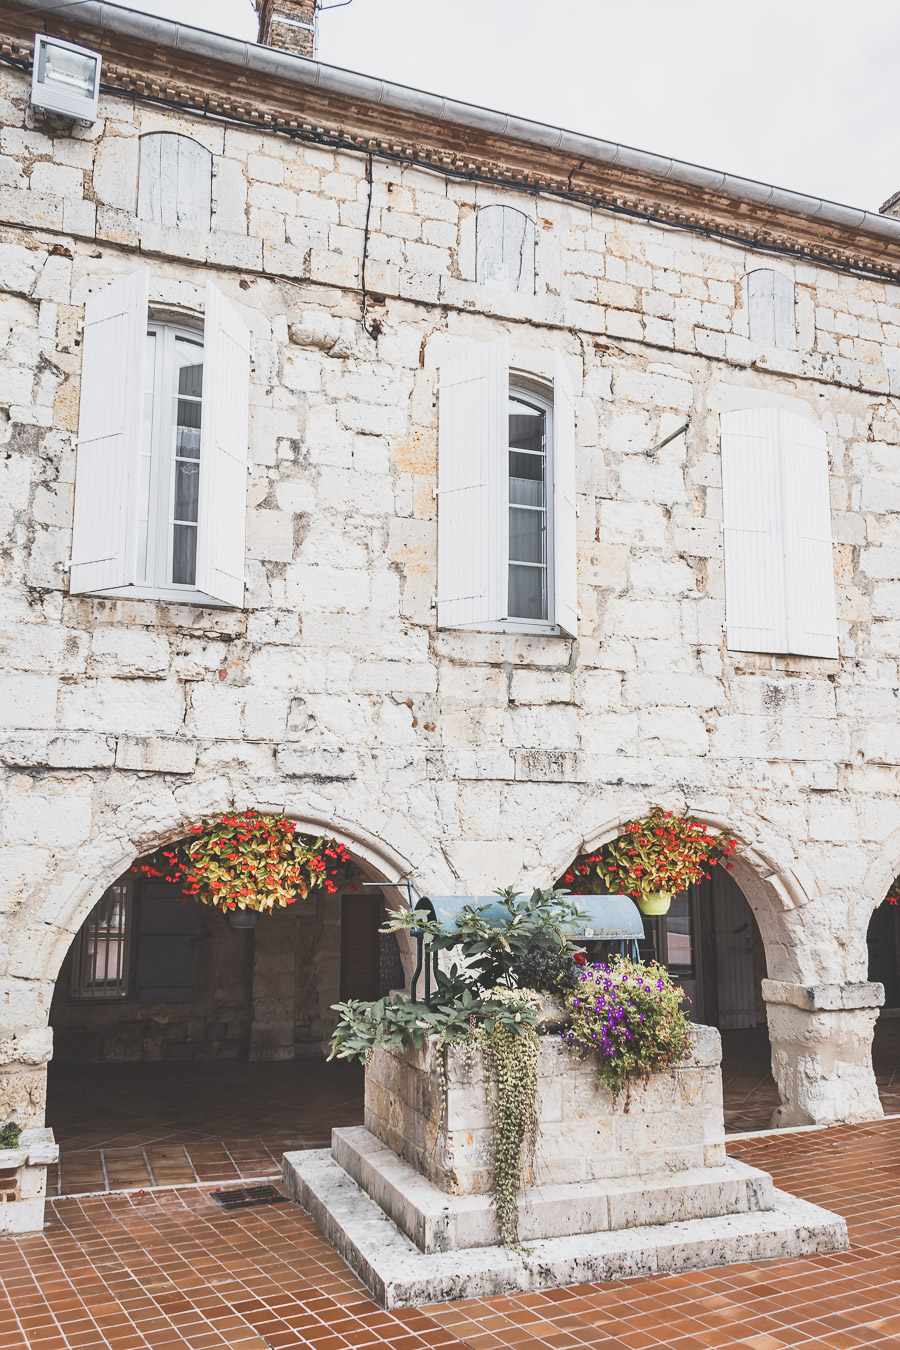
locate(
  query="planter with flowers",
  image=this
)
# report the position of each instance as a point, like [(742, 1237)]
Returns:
[(246, 864), (652, 860)]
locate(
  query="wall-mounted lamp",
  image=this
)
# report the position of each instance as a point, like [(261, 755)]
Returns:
[(65, 79)]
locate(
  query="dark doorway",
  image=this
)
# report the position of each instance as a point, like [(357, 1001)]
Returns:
[(710, 943), (881, 940), (361, 946)]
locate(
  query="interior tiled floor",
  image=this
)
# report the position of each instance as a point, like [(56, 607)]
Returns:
[(125, 1125), (167, 1269), (132, 1125)]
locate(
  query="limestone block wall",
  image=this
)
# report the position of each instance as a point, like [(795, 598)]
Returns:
[(462, 759), (442, 1125)]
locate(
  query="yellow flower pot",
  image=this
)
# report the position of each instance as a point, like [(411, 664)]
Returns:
[(655, 902)]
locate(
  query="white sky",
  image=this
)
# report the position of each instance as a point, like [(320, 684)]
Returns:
[(800, 93)]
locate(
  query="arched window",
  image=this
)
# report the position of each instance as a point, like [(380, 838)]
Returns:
[(770, 298), (175, 186), (504, 249)]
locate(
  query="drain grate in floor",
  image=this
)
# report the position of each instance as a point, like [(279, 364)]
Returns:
[(245, 1197)]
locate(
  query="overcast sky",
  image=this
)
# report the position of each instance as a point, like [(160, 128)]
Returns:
[(800, 93)]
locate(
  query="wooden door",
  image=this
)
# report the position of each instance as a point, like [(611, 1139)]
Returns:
[(733, 932), (361, 946)]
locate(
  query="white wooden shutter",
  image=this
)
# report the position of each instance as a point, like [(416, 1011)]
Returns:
[(175, 184), (473, 516), (565, 545), (755, 600), (770, 297), (809, 553), (779, 568), (110, 428), (504, 249), (224, 437)]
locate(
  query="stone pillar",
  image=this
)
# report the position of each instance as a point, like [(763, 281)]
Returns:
[(290, 24), (274, 984), (821, 1039), (23, 1075)]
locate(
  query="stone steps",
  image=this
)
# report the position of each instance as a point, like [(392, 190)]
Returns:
[(436, 1221), (400, 1275)]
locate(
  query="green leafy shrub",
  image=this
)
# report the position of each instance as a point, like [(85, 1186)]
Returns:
[(9, 1135), (551, 972), (628, 1017)]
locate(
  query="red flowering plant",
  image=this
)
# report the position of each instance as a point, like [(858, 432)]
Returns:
[(893, 894), (664, 852), (248, 861)]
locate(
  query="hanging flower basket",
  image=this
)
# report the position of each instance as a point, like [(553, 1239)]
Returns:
[(248, 862), (652, 859)]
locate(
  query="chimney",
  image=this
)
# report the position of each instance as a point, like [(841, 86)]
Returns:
[(891, 207), (290, 24)]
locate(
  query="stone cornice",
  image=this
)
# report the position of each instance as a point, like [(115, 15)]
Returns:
[(204, 86)]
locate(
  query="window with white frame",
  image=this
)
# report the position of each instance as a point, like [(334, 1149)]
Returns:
[(779, 565), (506, 495), (169, 481), (161, 468), (770, 302)]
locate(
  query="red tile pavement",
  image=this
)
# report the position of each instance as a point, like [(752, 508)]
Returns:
[(165, 1269)]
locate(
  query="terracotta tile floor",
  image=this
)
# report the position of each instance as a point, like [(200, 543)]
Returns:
[(124, 1125), (167, 1269)]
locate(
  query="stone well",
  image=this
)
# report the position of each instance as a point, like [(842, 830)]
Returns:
[(627, 1185)]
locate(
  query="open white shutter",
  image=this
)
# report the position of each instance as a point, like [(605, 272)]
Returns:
[(110, 428), (565, 545), (224, 440), (755, 601), (473, 516), (809, 555)]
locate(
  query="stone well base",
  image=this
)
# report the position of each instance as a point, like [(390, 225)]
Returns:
[(400, 1275), (23, 1182)]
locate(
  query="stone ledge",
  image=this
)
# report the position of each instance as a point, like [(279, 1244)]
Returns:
[(823, 997), (400, 1276), (438, 1222)]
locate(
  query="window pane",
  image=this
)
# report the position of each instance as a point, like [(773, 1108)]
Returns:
[(187, 490), (679, 937), (187, 438), (189, 359), (184, 555), (527, 598), (102, 967), (526, 426), (526, 535)]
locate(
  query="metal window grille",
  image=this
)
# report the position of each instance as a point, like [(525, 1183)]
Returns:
[(100, 968)]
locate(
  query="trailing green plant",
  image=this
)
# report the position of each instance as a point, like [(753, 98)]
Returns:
[(663, 852), (492, 943), (629, 1017), (10, 1135), (511, 1059), (248, 861)]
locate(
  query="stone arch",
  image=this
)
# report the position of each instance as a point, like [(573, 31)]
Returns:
[(47, 916), (762, 868)]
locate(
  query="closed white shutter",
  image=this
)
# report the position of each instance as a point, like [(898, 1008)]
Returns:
[(755, 602), (809, 553), (779, 568), (770, 297), (473, 517), (504, 249), (565, 545), (224, 438), (175, 185), (110, 428)]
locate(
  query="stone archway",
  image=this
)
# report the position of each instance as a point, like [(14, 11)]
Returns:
[(51, 906), (820, 1029)]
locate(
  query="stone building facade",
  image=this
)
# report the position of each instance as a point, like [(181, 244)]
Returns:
[(353, 229)]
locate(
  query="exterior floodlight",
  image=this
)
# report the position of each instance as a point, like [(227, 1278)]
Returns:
[(65, 79)]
